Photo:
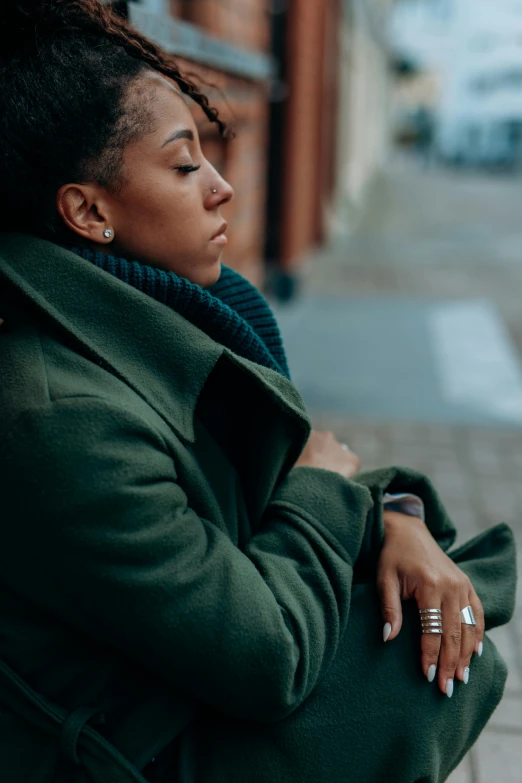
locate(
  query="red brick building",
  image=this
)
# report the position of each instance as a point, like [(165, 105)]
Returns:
[(309, 57), (274, 64)]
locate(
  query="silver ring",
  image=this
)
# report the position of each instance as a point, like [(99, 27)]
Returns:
[(345, 447), (431, 620), (467, 616)]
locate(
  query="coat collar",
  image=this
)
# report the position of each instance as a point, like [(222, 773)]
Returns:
[(152, 348)]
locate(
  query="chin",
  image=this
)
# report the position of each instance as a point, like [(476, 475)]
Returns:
[(212, 276)]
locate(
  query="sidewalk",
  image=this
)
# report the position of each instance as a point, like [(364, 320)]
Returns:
[(432, 282)]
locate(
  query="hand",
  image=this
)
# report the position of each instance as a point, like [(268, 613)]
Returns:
[(412, 565), (323, 450)]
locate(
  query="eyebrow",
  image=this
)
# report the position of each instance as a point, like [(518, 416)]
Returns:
[(180, 134)]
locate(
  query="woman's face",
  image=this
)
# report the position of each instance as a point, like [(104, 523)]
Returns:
[(166, 213)]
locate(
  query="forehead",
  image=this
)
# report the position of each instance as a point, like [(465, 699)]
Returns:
[(167, 104)]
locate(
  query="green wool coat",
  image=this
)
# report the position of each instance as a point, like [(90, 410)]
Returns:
[(168, 578)]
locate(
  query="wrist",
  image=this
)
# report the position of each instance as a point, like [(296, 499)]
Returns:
[(394, 520)]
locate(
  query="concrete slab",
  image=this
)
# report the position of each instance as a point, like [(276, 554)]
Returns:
[(506, 643), (463, 772), (403, 359), (499, 757), (430, 243), (508, 715)]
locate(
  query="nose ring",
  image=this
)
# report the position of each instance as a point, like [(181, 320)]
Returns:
[(214, 190)]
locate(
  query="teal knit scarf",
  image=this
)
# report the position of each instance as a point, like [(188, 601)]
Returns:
[(232, 311)]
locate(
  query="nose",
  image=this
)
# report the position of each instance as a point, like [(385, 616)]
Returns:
[(221, 192)]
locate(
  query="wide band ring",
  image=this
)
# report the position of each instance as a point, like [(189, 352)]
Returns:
[(431, 620), (466, 616)]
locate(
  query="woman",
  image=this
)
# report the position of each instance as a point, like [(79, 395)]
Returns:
[(194, 583)]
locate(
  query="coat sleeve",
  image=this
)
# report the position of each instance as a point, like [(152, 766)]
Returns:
[(398, 480), (101, 535)]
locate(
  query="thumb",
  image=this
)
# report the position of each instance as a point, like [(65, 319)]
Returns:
[(391, 607)]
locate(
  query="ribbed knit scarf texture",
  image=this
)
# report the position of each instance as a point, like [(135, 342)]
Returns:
[(232, 311)]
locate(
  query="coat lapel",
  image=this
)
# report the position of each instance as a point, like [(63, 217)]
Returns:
[(159, 354), (156, 351)]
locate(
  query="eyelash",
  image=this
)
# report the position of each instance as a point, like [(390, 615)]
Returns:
[(187, 169)]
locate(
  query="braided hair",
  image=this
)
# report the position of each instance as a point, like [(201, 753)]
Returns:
[(70, 101)]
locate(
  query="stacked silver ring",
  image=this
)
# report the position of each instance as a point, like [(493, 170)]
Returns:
[(431, 620)]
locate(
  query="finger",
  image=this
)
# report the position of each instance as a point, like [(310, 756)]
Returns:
[(451, 643), (478, 610), (430, 638), (391, 607), (467, 644)]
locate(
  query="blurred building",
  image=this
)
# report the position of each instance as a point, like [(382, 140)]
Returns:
[(481, 106), (420, 42), (364, 116), (304, 110), (463, 59), (304, 86)]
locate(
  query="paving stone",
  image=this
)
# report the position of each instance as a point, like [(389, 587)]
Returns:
[(516, 460), (465, 521), (519, 588), (466, 245), (501, 501), (514, 682), (499, 758), (508, 715), (504, 641), (486, 465), (451, 484), (463, 772), (444, 460)]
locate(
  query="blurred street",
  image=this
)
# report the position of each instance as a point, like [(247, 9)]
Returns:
[(406, 342)]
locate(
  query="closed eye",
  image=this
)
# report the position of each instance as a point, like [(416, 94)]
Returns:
[(187, 169)]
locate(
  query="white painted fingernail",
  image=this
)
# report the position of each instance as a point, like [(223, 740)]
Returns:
[(386, 631), (431, 672), (449, 688), (481, 647), (465, 677)]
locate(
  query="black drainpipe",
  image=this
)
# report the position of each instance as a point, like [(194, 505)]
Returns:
[(279, 283)]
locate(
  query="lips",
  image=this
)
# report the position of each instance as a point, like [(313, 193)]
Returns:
[(221, 230)]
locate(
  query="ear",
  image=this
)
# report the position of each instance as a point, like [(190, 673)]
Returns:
[(84, 209)]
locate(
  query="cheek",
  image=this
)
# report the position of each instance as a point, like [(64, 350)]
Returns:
[(163, 204)]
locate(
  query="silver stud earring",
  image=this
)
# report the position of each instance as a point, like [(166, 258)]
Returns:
[(107, 233), (214, 190)]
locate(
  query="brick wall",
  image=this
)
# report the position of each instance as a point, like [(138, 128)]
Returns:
[(244, 23), (310, 127)]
